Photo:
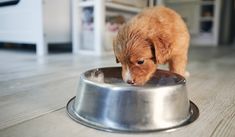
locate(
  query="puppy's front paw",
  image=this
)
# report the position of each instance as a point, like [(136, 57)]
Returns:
[(187, 74)]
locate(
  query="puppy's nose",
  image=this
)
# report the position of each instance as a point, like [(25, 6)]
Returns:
[(130, 82)]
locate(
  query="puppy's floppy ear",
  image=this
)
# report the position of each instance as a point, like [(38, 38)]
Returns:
[(114, 46), (161, 45), (114, 43), (152, 50), (117, 61)]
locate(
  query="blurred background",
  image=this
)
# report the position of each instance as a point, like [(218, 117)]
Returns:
[(88, 26)]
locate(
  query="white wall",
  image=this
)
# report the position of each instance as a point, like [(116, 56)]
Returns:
[(57, 21)]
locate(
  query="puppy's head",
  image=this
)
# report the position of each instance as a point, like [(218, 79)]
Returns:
[(136, 55)]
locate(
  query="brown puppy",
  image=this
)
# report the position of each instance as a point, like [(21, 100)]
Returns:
[(155, 36)]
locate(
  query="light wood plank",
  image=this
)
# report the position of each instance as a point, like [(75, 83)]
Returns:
[(29, 88), (36, 106)]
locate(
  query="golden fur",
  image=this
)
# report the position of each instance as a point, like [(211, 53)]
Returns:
[(157, 35)]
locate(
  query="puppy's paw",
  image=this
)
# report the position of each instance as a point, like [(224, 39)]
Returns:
[(187, 74)]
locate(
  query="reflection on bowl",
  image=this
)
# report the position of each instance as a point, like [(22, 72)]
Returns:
[(105, 102)]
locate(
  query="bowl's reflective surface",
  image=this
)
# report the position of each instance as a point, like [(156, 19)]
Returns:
[(105, 102), (113, 76)]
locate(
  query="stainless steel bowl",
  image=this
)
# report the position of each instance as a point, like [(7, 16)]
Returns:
[(105, 102)]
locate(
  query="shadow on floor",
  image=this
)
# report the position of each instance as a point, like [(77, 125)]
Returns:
[(31, 48)]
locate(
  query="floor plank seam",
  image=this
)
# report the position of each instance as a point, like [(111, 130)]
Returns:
[(33, 118)]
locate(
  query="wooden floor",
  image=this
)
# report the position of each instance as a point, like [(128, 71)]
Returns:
[(34, 92)]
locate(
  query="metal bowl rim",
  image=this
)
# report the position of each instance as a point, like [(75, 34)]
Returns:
[(133, 88)]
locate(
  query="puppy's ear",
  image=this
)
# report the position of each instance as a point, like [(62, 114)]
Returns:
[(114, 47), (117, 61), (114, 43), (161, 47), (153, 50), (153, 53)]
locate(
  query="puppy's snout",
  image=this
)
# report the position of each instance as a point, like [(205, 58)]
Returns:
[(127, 76), (130, 82)]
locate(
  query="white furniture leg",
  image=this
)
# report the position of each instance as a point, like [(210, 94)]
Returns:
[(76, 25), (41, 48)]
